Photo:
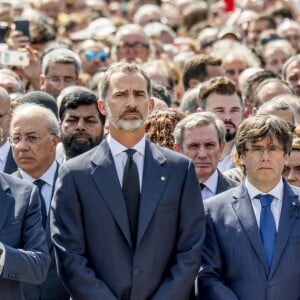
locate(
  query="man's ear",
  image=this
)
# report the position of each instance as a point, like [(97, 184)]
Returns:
[(176, 148), (101, 106)]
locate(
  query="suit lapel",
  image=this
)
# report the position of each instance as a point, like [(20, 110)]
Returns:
[(6, 201), (244, 211), (154, 182), (108, 186), (10, 165), (222, 184), (287, 219)]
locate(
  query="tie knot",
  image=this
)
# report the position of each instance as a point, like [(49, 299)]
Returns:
[(39, 183), (265, 200), (130, 152), (202, 186)]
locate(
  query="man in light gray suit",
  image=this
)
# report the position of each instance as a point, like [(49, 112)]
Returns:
[(24, 255), (252, 246), (127, 225), (201, 136)]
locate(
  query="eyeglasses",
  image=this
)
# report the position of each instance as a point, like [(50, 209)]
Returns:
[(137, 46), (29, 139), (91, 55), (260, 150), (58, 79), (2, 115)]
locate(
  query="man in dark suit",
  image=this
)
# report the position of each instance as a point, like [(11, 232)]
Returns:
[(127, 225), (23, 249), (252, 247), (201, 136), (34, 137), (7, 163)]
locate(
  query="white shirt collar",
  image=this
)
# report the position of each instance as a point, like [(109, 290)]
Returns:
[(276, 192), (116, 148), (48, 176), (212, 182), (4, 149)]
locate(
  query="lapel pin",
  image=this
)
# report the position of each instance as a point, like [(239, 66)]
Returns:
[(163, 178)]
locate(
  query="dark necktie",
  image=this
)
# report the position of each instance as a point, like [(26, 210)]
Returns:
[(131, 191), (267, 226), (202, 186), (39, 183)]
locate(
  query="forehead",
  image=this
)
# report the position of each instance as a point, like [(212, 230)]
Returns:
[(132, 37), (201, 133), (61, 69), (24, 122), (83, 111), (121, 81), (272, 139), (293, 67), (225, 101)]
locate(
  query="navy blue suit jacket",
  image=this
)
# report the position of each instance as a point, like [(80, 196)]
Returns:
[(91, 233), (21, 231), (234, 265)]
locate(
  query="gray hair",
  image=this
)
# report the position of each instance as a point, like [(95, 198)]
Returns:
[(198, 120), (46, 112), (277, 105), (61, 56)]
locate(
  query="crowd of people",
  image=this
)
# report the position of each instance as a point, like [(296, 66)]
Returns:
[(149, 149)]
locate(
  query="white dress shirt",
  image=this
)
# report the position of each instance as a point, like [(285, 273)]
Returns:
[(4, 149), (47, 188), (210, 185), (120, 157), (276, 205)]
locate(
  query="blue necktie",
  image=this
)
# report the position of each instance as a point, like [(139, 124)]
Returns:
[(267, 226)]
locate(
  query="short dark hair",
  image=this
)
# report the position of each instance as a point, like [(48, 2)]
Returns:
[(74, 96), (220, 85)]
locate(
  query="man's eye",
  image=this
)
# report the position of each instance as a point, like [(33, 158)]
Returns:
[(32, 138)]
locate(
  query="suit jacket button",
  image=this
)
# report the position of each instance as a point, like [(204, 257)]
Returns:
[(270, 284), (136, 271)]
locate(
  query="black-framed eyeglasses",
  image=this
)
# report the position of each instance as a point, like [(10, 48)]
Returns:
[(91, 55)]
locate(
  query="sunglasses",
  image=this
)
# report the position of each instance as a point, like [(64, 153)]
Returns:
[(91, 55)]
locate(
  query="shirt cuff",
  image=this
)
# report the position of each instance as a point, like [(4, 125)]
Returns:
[(2, 257)]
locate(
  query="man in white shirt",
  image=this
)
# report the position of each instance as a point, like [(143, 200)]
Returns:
[(201, 137), (34, 134), (251, 250)]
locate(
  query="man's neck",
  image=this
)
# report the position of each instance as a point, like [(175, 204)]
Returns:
[(227, 149), (127, 139)]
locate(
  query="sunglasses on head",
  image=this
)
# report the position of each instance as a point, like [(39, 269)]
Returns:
[(91, 55)]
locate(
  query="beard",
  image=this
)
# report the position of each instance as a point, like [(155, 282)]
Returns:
[(229, 136), (129, 125), (74, 148)]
